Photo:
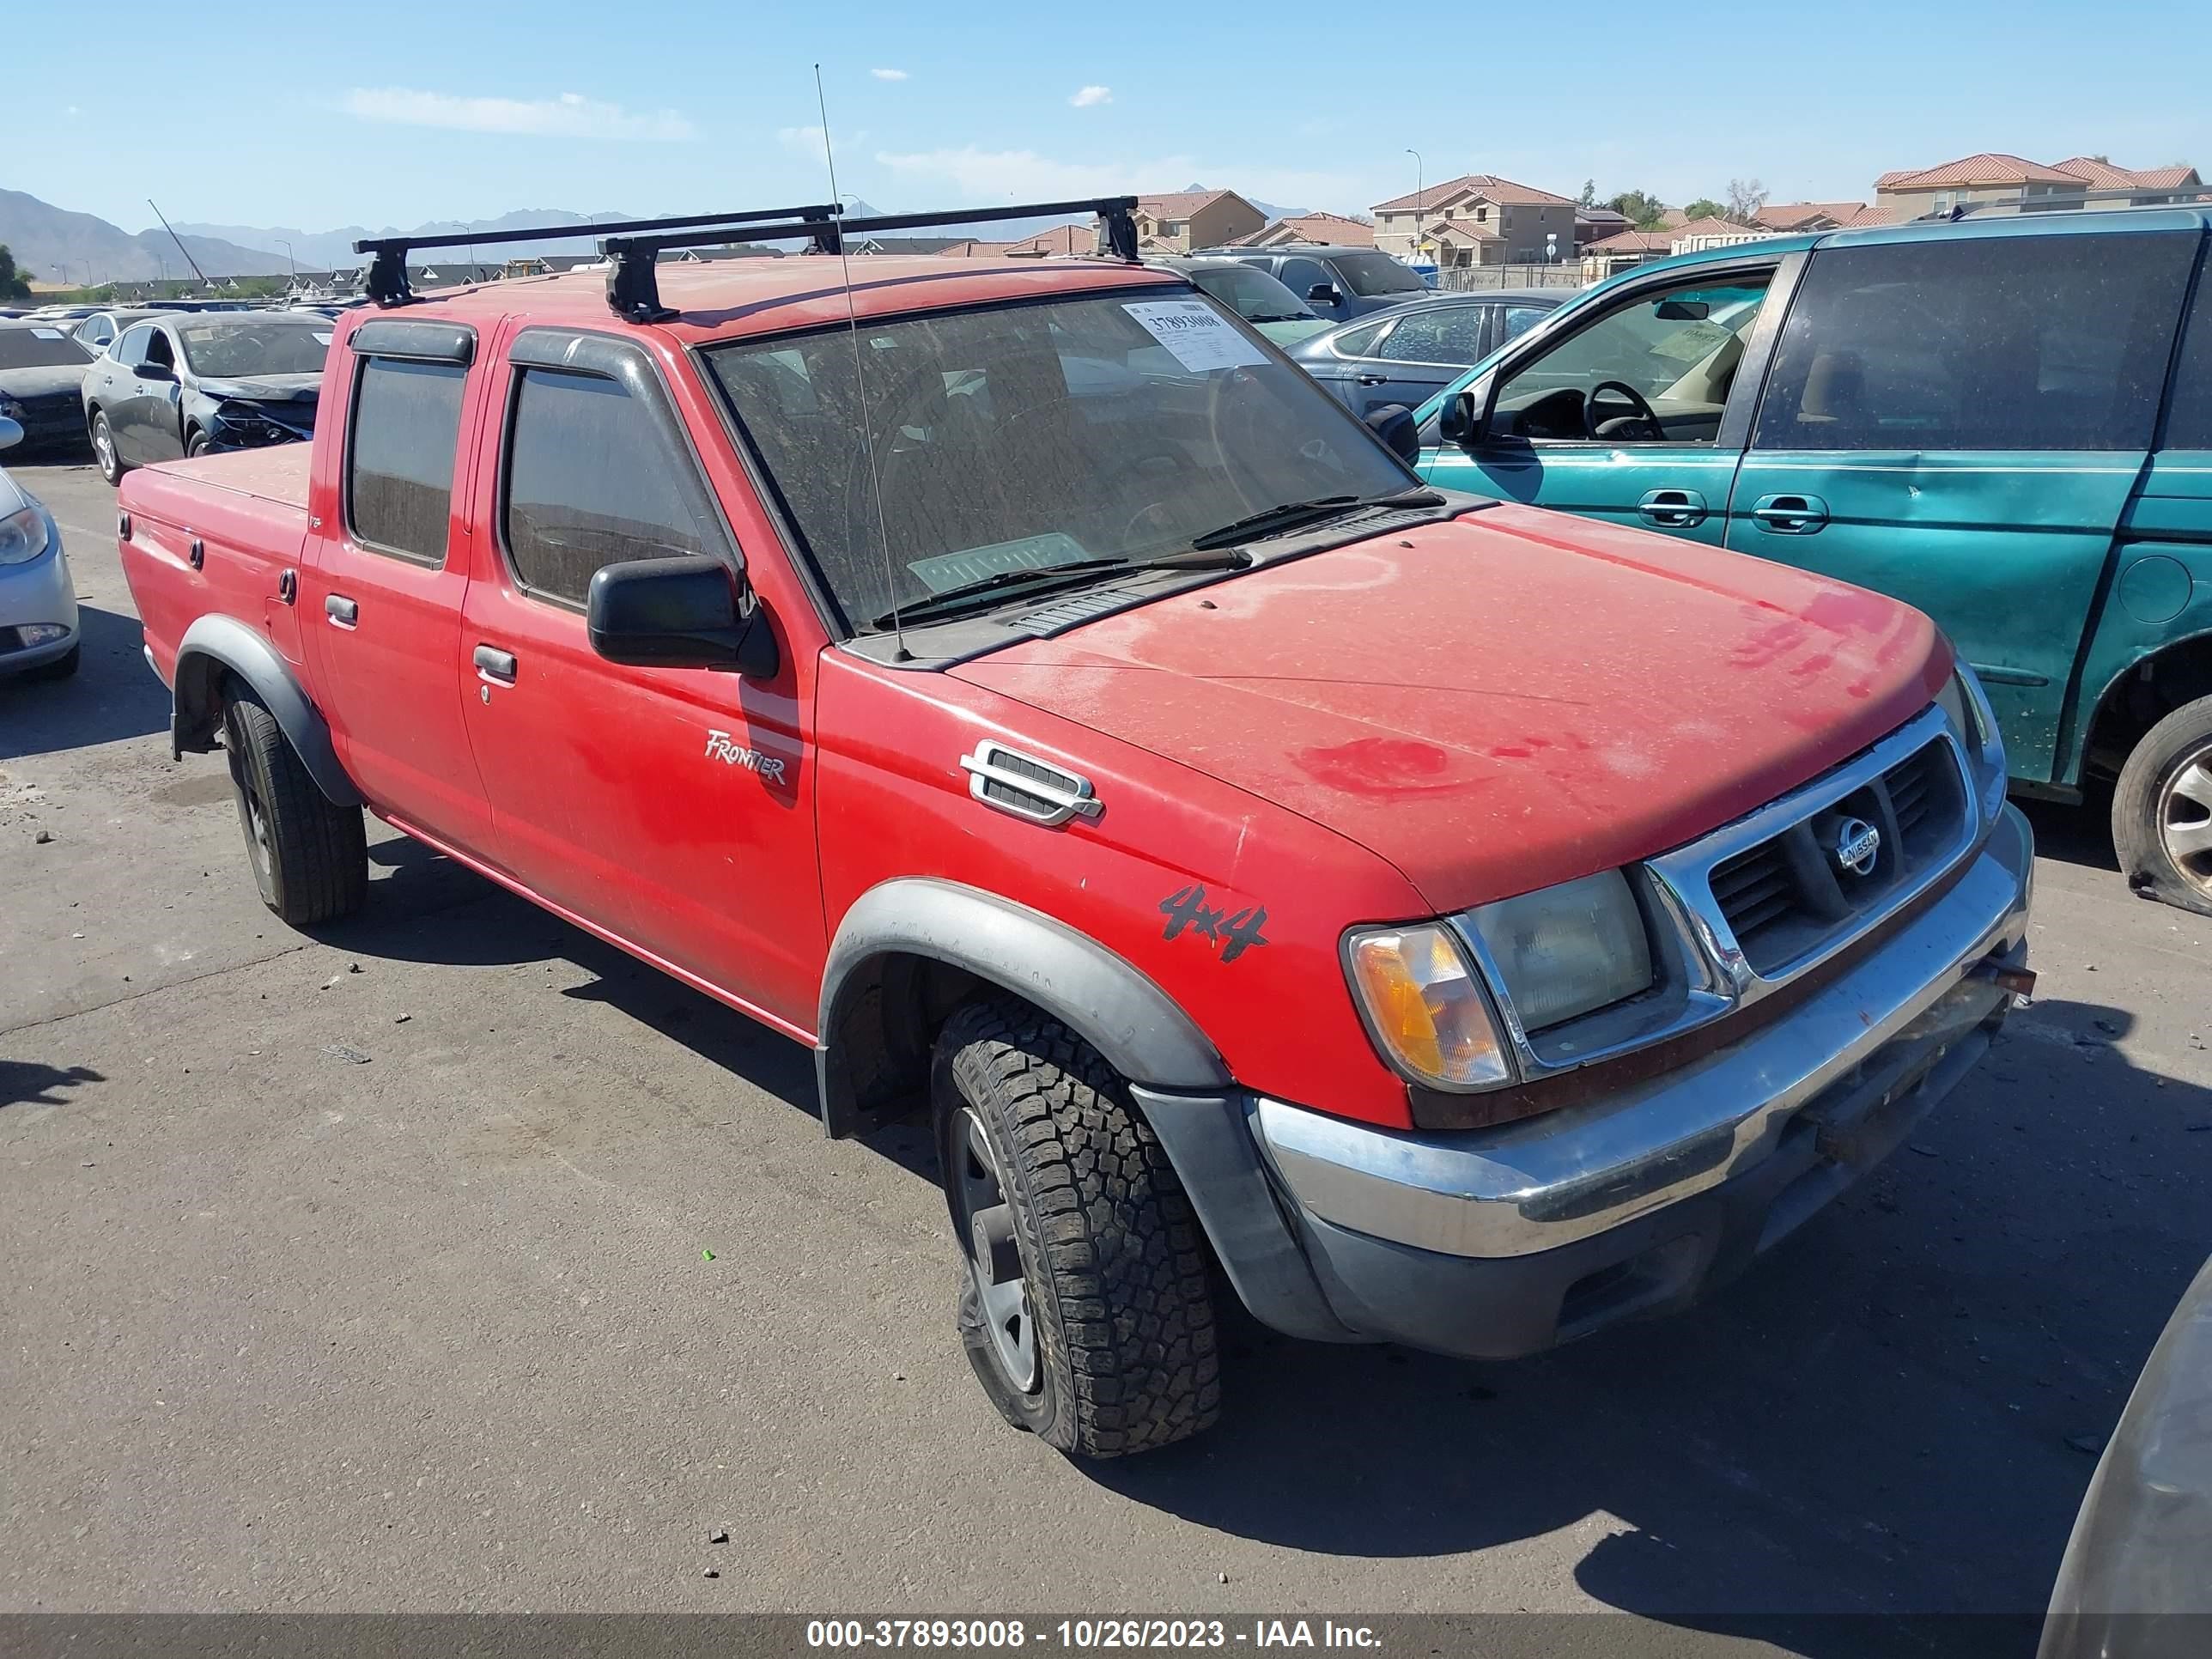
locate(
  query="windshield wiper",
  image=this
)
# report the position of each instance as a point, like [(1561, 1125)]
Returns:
[(954, 598), (1292, 516)]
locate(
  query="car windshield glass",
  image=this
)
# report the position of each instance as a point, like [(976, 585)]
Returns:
[(1372, 274), (227, 349), (40, 347), (1033, 436), (1252, 294)]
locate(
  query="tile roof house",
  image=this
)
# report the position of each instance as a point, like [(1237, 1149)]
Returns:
[(2011, 179), (1183, 220), (1624, 248), (1796, 216), (1701, 234), (1068, 241), (1506, 224), (1594, 224), (1321, 229)]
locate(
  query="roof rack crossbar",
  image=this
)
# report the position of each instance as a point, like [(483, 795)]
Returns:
[(633, 292), (2057, 198), (387, 272)]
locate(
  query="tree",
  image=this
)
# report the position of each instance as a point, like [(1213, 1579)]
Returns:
[(1588, 197), (1705, 207), (12, 283), (1744, 199), (1639, 208)]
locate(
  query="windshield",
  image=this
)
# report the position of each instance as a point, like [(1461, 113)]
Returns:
[(1371, 274), (1252, 294), (40, 346), (228, 351), (1033, 436)]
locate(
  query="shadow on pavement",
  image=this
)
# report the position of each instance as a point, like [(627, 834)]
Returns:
[(2075, 835), (112, 695), (26, 1083), (1877, 1420)]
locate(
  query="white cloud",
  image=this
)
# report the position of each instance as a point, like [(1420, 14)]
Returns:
[(889, 74), (1090, 95), (72, 110), (571, 115)]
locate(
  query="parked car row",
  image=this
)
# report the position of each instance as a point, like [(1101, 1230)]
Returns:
[(38, 599)]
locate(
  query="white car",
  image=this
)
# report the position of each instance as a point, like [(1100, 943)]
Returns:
[(38, 600)]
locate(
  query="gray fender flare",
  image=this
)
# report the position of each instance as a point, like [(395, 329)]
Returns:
[(1137, 1026), (214, 646)]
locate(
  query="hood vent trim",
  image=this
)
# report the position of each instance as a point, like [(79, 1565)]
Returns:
[(1027, 787)]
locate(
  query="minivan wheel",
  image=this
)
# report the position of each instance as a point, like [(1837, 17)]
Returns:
[(103, 449), (2162, 811), (1084, 1306), (310, 856)]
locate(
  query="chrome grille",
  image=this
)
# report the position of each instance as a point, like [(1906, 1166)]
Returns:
[(1787, 896)]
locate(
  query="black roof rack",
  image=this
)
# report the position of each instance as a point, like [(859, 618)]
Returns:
[(633, 291), (2057, 198), (387, 272)]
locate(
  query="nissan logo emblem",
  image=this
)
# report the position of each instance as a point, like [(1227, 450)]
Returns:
[(1858, 844)]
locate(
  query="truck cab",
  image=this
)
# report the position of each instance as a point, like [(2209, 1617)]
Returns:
[(1422, 917)]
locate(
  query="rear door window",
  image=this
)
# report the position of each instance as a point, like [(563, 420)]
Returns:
[(589, 483), (399, 456), (1443, 334), (1998, 343), (2189, 423)]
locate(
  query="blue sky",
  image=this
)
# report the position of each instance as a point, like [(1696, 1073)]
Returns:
[(402, 112)]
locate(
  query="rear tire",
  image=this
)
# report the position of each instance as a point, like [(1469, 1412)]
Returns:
[(111, 467), (2162, 811), (1084, 1307), (310, 856)]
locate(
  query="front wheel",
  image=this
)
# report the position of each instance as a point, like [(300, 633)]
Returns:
[(195, 444), (2162, 811), (103, 448), (1085, 1305)]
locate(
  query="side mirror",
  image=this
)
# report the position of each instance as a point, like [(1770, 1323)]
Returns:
[(10, 432), (680, 612), (152, 370), (1393, 423), (1323, 293), (1460, 422)]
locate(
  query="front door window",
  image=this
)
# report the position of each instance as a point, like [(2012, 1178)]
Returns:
[(1655, 369)]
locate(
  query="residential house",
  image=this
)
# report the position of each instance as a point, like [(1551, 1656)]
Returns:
[(1178, 222), (1069, 241), (1699, 234), (1976, 180), (1594, 224), (1616, 253), (969, 247), (904, 244), (1477, 219), (1313, 229)]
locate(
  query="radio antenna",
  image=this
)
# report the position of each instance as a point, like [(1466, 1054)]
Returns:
[(860, 383)]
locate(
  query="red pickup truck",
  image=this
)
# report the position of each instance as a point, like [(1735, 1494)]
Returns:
[(1425, 918)]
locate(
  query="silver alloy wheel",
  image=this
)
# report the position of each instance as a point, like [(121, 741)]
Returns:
[(995, 1262), (103, 444), (2184, 818)]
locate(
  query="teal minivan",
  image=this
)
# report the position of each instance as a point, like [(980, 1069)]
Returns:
[(2007, 422)]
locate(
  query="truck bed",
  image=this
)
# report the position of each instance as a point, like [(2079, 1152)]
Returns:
[(248, 512)]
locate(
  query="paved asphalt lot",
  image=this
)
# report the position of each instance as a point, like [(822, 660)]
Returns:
[(365, 1271)]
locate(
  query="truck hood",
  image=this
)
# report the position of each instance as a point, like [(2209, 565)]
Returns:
[(1507, 700)]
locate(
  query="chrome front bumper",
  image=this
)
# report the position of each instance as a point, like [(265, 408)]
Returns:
[(1830, 1087)]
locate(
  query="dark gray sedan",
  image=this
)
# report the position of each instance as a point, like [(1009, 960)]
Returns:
[(192, 382), (1412, 351)]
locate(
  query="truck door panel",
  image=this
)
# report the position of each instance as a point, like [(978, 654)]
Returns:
[(381, 605)]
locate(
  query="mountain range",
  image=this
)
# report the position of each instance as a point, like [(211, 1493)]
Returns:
[(43, 237)]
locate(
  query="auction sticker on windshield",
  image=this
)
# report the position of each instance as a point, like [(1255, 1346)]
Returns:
[(1198, 335)]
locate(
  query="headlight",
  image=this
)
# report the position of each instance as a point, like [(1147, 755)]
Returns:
[(22, 536), (1567, 950), (1426, 1011), (1967, 707)]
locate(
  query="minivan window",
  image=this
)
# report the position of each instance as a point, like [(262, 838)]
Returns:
[(1034, 435), (1369, 274), (2022, 342), (589, 482), (2189, 423), (399, 456)]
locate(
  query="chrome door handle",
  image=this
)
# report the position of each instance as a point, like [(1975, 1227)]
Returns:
[(1672, 509), (1372, 380), (494, 666), (341, 611)]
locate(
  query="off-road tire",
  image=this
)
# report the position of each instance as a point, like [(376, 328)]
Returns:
[(2178, 749), (112, 464), (310, 856), (1112, 1257)]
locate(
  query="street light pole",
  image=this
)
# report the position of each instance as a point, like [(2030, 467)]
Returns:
[(292, 263), (1419, 187)]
